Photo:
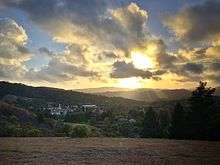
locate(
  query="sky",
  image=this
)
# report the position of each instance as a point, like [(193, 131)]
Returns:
[(74, 44)]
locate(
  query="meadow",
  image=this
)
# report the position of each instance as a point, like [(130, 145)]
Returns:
[(61, 150)]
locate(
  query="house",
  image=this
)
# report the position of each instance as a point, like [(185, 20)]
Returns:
[(89, 107), (61, 110)]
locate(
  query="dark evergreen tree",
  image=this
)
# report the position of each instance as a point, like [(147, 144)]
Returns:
[(178, 123), (150, 124), (164, 124), (201, 103)]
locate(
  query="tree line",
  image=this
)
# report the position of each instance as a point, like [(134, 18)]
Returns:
[(199, 118)]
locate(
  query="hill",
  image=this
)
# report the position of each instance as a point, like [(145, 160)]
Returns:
[(143, 94), (15, 121), (102, 90), (22, 115), (45, 95)]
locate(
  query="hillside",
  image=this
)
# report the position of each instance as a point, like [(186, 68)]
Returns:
[(45, 94), (15, 121), (22, 115)]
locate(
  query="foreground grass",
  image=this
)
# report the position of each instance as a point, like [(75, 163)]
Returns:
[(53, 150)]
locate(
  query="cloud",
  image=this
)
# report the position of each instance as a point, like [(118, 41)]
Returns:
[(213, 51), (156, 48), (100, 37), (59, 70), (88, 22), (79, 53), (214, 71), (11, 31), (121, 69), (12, 39), (196, 23), (199, 27), (13, 53), (215, 66), (92, 30), (194, 68), (132, 19), (107, 55), (214, 77), (46, 51)]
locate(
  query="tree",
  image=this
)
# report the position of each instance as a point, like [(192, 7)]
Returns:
[(202, 91), (178, 122), (79, 131), (164, 118), (150, 124), (79, 117), (201, 103)]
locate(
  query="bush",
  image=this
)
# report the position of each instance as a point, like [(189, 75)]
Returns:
[(79, 131), (33, 132), (62, 128)]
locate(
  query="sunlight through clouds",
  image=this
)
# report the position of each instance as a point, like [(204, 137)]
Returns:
[(132, 83), (141, 61), (105, 42)]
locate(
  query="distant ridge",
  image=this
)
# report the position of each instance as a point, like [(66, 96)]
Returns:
[(102, 89), (96, 95), (143, 94)]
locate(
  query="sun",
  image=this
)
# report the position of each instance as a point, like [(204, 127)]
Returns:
[(141, 61), (132, 83)]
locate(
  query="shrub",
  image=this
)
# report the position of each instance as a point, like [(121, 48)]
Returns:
[(62, 128), (79, 131), (33, 132)]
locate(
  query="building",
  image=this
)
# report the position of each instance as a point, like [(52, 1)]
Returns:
[(61, 110)]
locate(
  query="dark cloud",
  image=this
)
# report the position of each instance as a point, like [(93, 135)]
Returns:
[(41, 10), (167, 61), (159, 72), (110, 54), (164, 59), (194, 68), (201, 52), (46, 51), (121, 69), (196, 23), (106, 55), (189, 71), (215, 66)]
